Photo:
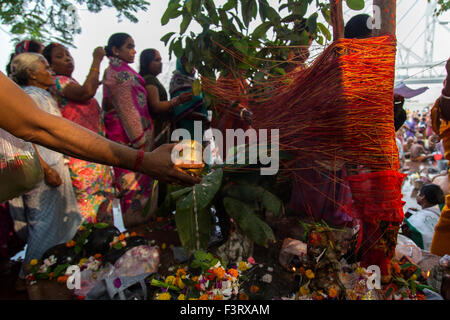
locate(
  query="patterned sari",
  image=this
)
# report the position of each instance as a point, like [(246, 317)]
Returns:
[(92, 182), (127, 121)]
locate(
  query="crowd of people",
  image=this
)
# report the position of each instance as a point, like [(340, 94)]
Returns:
[(84, 170), (118, 147)]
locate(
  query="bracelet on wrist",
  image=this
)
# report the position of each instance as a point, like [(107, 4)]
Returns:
[(95, 69), (139, 159)]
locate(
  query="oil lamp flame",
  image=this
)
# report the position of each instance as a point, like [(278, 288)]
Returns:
[(428, 273), (293, 269)]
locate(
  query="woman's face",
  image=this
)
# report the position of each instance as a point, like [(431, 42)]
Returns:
[(126, 52), (155, 67), (422, 201), (62, 61), (42, 76)]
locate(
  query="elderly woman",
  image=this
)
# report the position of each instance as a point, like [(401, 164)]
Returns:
[(128, 121), (92, 182), (52, 212)]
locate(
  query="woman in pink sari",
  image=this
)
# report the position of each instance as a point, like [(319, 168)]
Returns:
[(128, 121)]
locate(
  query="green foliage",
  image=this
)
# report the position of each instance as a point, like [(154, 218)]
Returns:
[(355, 4), (56, 20), (203, 260), (442, 6)]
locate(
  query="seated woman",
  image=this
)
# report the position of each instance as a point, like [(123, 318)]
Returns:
[(419, 225), (52, 212), (185, 115), (128, 121), (92, 182), (159, 107)]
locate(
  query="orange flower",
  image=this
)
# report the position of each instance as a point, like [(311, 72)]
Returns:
[(332, 293), (181, 273), (243, 296), (71, 244), (133, 234), (121, 237), (98, 256), (218, 298), (397, 268), (203, 297), (233, 272), (62, 279), (219, 272), (254, 289), (421, 297), (195, 278), (317, 296), (50, 275)]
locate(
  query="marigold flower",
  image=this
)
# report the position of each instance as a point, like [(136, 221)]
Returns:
[(164, 296), (421, 297), (71, 244), (254, 289), (309, 274), (133, 234), (203, 297), (181, 272), (219, 297), (181, 297), (179, 283), (98, 256), (159, 219), (195, 279), (397, 268), (243, 296), (243, 266), (82, 261), (170, 280), (304, 291), (62, 279), (219, 272), (332, 293), (413, 277), (233, 272), (33, 262), (317, 296), (121, 237)]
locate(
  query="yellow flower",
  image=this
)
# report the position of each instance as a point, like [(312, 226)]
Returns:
[(82, 261), (309, 274), (179, 283), (195, 278), (242, 266), (170, 280), (413, 277), (360, 271), (304, 290), (181, 297), (181, 272), (164, 296), (33, 262), (219, 272), (192, 299), (163, 246)]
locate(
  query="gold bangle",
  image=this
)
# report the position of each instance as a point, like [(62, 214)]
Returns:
[(95, 69)]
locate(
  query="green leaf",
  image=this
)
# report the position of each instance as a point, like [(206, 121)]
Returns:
[(204, 191), (101, 225), (167, 37), (186, 220), (177, 48), (301, 8), (231, 4), (187, 18), (252, 226), (60, 269), (355, 4), (279, 70), (196, 87), (177, 194), (77, 249), (324, 31), (312, 23), (117, 245), (261, 30), (211, 8), (250, 194), (170, 13), (242, 46)]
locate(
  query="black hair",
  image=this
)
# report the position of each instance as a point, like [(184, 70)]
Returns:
[(357, 27), (145, 59), (47, 53), (116, 40), (433, 193)]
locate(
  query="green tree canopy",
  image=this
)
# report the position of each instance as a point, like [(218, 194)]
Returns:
[(56, 20)]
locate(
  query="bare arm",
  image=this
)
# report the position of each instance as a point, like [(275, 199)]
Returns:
[(164, 106), (82, 93), (20, 116)]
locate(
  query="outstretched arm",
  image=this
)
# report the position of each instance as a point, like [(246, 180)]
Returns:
[(20, 116)]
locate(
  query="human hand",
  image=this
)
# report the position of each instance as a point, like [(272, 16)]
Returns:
[(52, 178), (398, 98), (99, 53), (158, 164)]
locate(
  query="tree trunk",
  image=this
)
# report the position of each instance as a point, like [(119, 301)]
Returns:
[(337, 19), (384, 13)]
